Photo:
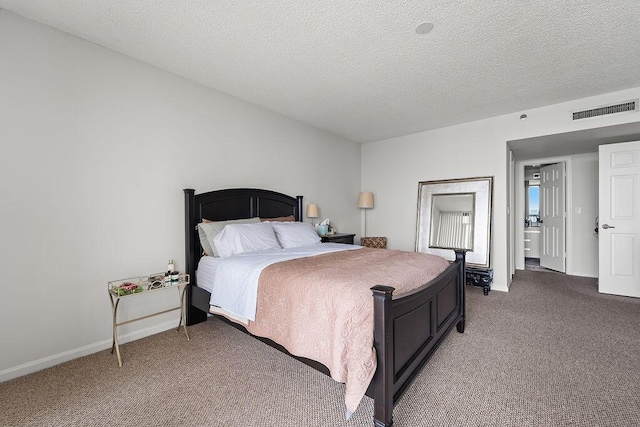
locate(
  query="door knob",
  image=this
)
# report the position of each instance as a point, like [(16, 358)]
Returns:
[(607, 226)]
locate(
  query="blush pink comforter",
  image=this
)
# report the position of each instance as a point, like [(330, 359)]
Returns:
[(321, 307)]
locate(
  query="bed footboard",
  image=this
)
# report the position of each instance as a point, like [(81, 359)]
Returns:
[(408, 330)]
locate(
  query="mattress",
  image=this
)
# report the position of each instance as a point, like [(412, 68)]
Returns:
[(206, 272)]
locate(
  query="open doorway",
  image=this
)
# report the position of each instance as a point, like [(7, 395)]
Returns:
[(581, 208), (532, 218), (543, 225)]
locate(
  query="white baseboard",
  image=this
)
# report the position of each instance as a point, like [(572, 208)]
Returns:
[(580, 274), (56, 359)]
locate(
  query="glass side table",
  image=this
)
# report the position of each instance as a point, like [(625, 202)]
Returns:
[(138, 286)]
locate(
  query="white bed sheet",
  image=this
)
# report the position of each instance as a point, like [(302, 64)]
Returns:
[(206, 272), (233, 281)]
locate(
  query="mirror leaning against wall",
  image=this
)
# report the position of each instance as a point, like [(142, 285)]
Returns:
[(455, 214), (452, 221)]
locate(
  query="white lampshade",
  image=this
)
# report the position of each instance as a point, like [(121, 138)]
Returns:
[(312, 210), (365, 200)]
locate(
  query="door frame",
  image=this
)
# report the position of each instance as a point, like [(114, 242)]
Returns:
[(518, 236)]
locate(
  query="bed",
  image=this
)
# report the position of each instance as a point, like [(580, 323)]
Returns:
[(401, 348)]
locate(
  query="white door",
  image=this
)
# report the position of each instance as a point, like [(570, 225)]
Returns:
[(619, 241), (552, 217)]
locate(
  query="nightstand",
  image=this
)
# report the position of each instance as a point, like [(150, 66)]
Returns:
[(339, 238), (141, 286)]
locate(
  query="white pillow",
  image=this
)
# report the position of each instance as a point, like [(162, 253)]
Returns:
[(210, 229), (295, 234), (240, 238)]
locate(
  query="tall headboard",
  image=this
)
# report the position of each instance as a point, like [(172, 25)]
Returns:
[(221, 205)]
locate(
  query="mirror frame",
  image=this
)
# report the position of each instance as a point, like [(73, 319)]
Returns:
[(480, 256)]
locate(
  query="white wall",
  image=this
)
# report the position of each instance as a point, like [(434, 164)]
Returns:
[(96, 150), (392, 168), (584, 213)]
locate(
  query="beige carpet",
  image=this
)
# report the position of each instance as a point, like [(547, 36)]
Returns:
[(552, 352), (534, 264)]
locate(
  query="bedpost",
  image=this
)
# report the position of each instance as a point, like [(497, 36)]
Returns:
[(461, 288), (383, 343), (193, 315), (299, 216)]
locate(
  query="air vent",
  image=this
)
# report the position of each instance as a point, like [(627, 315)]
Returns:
[(607, 109)]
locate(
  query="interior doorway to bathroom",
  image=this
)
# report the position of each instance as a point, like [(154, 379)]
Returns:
[(532, 218)]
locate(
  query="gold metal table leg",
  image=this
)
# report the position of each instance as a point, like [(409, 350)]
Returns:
[(183, 320), (114, 342)]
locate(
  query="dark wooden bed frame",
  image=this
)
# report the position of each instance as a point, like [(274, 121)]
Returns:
[(407, 330)]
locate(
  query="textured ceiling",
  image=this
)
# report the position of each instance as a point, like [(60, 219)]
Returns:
[(357, 68)]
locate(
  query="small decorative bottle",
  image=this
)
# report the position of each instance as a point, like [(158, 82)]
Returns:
[(170, 266)]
